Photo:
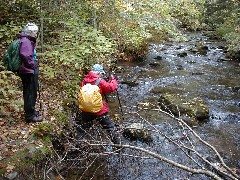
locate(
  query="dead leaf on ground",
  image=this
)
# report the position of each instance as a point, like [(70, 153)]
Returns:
[(9, 153), (10, 168)]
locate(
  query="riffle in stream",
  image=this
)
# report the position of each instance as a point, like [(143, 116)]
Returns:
[(208, 75)]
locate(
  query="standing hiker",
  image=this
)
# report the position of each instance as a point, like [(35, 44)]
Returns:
[(28, 71), (102, 115)]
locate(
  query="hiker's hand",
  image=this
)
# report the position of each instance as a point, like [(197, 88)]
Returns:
[(112, 75)]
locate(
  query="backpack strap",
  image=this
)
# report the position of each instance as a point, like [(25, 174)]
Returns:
[(98, 81)]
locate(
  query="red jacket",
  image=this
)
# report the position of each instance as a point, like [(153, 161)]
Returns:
[(104, 86)]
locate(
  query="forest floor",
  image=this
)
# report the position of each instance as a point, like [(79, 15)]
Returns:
[(16, 135)]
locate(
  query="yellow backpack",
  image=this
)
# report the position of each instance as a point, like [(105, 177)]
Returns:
[(90, 99)]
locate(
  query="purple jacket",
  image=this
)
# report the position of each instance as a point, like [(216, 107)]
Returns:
[(28, 43)]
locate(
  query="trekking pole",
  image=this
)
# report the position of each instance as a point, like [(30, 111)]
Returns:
[(120, 104), (41, 40)]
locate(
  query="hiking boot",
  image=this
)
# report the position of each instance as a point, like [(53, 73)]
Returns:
[(116, 139), (34, 119), (114, 136)]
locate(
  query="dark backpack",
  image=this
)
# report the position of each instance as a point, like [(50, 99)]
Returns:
[(11, 58)]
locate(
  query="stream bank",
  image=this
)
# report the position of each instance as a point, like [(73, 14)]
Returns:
[(170, 67)]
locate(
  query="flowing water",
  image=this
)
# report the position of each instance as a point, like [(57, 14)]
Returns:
[(208, 75)]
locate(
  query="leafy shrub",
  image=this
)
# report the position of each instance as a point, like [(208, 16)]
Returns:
[(9, 32), (188, 13), (230, 31), (43, 130)]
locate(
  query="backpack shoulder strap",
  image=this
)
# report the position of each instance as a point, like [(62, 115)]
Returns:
[(98, 81)]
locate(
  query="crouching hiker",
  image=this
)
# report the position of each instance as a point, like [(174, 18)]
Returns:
[(96, 108)]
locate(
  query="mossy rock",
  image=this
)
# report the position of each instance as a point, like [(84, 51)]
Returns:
[(130, 83), (177, 104), (136, 131)]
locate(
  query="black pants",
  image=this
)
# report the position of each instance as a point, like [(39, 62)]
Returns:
[(30, 87), (86, 121)]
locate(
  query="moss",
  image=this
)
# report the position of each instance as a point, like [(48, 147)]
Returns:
[(43, 130), (193, 107), (27, 157)]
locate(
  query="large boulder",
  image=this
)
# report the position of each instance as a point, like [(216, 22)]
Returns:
[(193, 107)]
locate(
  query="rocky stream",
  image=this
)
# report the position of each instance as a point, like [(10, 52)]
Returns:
[(192, 80)]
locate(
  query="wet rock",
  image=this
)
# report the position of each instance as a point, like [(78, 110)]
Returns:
[(190, 121), (180, 67), (221, 47), (197, 73), (222, 59), (182, 54), (158, 58), (202, 49), (233, 55), (136, 131), (193, 50), (194, 107), (154, 64), (130, 83), (236, 89)]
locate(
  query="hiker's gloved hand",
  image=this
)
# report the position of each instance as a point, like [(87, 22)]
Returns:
[(112, 75)]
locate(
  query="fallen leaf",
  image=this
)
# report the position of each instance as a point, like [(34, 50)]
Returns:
[(26, 135), (58, 178), (9, 153), (10, 168)]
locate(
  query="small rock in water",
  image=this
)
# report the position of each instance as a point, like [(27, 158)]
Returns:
[(182, 54), (136, 131), (154, 64), (158, 58)]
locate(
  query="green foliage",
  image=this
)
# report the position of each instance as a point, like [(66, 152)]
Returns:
[(226, 20), (233, 39), (48, 72), (18, 11), (81, 44), (9, 32), (188, 13), (43, 130), (218, 10), (133, 24), (78, 45)]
